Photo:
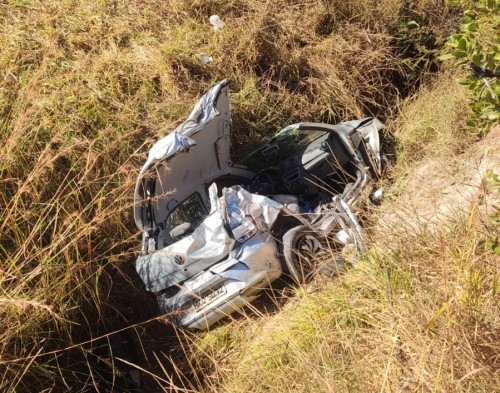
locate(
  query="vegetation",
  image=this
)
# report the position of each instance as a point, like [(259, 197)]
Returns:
[(476, 47), (87, 86)]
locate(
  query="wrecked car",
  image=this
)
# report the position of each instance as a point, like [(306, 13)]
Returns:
[(216, 232)]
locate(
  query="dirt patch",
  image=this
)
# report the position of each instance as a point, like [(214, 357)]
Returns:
[(446, 188)]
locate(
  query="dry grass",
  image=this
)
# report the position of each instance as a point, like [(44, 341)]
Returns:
[(432, 123), (87, 86)]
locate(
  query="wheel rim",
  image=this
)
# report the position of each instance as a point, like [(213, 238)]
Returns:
[(306, 250)]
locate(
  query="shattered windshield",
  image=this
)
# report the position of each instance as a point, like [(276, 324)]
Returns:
[(286, 142), (191, 211)]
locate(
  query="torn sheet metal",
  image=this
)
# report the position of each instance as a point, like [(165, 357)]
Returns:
[(210, 242), (312, 173), (178, 140), (179, 261), (240, 204)]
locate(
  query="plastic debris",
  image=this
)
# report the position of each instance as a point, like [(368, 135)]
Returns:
[(378, 195), (216, 22), (205, 59)]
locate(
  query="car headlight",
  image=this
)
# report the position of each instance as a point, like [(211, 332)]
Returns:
[(244, 230)]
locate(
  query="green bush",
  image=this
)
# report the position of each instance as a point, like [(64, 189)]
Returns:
[(476, 46)]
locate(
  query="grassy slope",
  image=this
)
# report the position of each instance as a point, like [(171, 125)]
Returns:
[(86, 87)]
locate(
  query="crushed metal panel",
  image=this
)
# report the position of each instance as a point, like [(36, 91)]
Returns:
[(195, 153), (173, 264)]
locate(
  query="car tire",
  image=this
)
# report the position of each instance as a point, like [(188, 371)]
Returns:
[(300, 249)]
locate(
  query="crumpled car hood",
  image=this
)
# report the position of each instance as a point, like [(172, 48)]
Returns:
[(210, 242), (171, 265)]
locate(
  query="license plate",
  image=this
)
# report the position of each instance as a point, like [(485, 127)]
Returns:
[(208, 298)]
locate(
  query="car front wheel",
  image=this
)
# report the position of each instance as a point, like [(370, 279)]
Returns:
[(300, 250)]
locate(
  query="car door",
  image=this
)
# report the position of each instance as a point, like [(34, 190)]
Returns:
[(188, 158)]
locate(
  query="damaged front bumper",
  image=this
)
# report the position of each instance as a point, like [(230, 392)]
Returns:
[(225, 287)]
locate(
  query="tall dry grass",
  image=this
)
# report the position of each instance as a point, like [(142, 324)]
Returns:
[(87, 86)]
